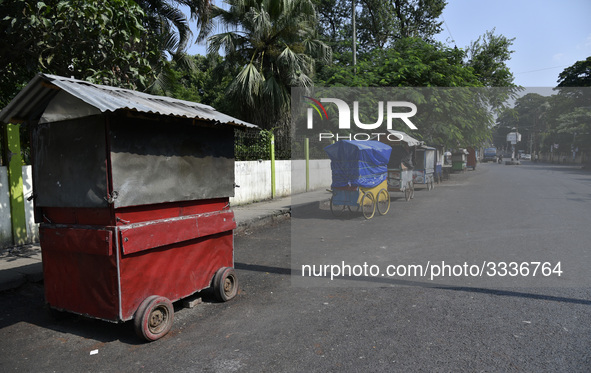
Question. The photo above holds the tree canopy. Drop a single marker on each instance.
(577, 75)
(104, 42)
(275, 45)
(268, 47)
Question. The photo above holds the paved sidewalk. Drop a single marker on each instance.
(23, 264)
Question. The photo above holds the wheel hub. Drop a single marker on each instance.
(157, 320)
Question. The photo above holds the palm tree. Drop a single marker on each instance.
(275, 44)
(165, 16)
(172, 30)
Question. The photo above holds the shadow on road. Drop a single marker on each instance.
(390, 282)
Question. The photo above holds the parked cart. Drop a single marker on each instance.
(423, 172)
(359, 172)
(132, 193)
(459, 160)
(401, 165)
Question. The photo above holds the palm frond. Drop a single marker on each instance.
(247, 85)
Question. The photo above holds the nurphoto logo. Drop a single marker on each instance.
(344, 117)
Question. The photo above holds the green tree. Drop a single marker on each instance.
(529, 116)
(410, 62)
(488, 56)
(104, 42)
(170, 27)
(205, 84)
(379, 23)
(275, 44)
(166, 18)
(455, 117)
(577, 75)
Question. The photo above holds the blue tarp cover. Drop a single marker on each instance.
(358, 163)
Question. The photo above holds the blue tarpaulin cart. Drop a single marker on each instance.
(359, 177)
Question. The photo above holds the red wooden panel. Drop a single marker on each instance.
(82, 216)
(175, 271)
(215, 223)
(79, 275)
(150, 235)
(80, 240)
(138, 214)
(155, 234)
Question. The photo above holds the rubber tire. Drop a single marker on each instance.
(371, 199)
(383, 196)
(155, 310)
(225, 284)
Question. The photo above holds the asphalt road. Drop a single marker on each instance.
(366, 324)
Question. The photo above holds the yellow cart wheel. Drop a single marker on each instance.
(383, 203)
(368, 205)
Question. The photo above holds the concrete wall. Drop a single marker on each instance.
(254, 179)
(282, 178)
(320, 175)
(581, 158)
(5, 216)
(32, 227)
(5, 225)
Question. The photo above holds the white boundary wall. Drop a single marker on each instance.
(254, 179)
(5, 218)
(32, 227)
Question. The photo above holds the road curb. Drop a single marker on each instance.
(263, 220)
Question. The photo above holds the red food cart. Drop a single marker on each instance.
(132, 193)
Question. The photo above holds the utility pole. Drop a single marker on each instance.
(354, 39)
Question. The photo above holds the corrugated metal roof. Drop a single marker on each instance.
(403, 136)
(32, 100)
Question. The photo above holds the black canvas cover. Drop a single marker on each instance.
(69, 159)
(155, 162)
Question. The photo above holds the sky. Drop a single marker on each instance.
(550, 35)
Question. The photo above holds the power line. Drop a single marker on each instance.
(448, 30)
(546, 68)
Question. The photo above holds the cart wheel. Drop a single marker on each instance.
(383, 202)
(153, 318)
(368, 205)
(337, 210)
(225, 284)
